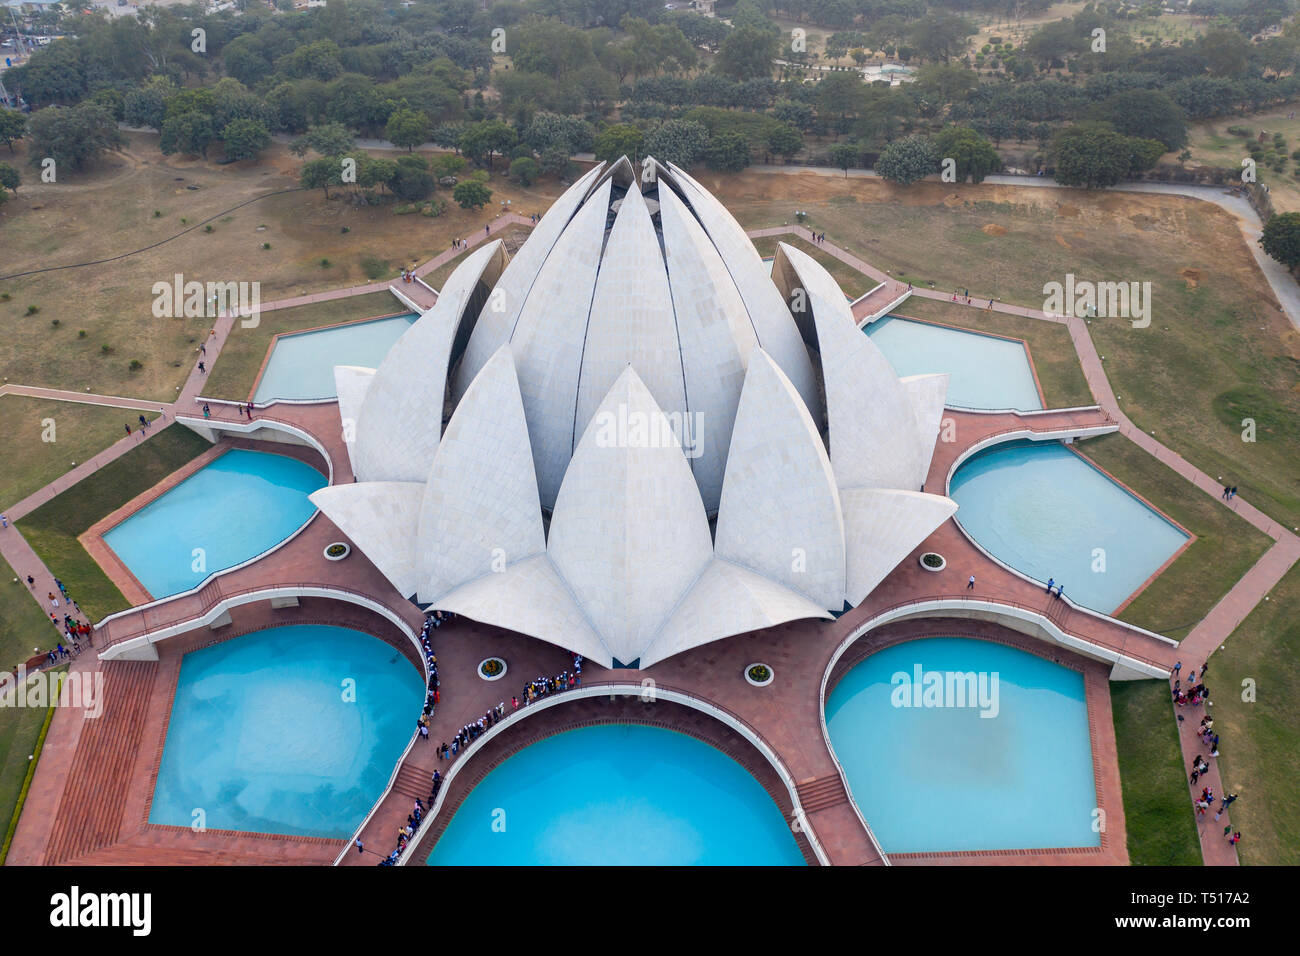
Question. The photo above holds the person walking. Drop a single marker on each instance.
(1178, 665)
(1050, 584)
(31, 581)
(4, 521)
(360, 846)
(970, 584)
(203, 368)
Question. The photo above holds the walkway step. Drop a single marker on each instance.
(821, 792)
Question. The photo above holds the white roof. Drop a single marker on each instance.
(614, 335)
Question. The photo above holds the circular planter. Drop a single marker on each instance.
(758, 675)
(337, 551)
(932, 562)
(491, 668)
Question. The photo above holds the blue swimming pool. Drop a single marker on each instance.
(302, 365)
(290, 730)
(618, 795)
(1047, 512)
(986, 372)
(242, 504)
(934, 779)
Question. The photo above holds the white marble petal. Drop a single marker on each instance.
(480, 511)
(379, 517)
(716, 341)
(401, 418)
(629, 533)
(873, 428)
(549, 339)
(776, 333)
(927, 394)
(883, 527)
(497, 319)
(631, 319)
(727, 599)
(780, 512)
(529, 598)
(351, 382)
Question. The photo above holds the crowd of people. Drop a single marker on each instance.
(1194, 695)
(74, 629)
(532, 691)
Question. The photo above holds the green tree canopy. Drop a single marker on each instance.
(471, 194)
(245, 138)
(972, 153)
(73, 136)
(1090, 155)
(1281, 238)
(908, 160)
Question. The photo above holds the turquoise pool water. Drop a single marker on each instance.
(618, 795)
(242, 504)
(940, 779)
(985, 372)
(1046, 512)
(302, 365)
(289, 730)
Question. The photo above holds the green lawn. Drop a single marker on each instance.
(1157, 813)
(235, 371)
(44, 437)
(1050, 347)
(23, 626)
(52, 529)
(1259, 738)
(1226, 546)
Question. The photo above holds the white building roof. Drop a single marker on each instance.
(627, 325)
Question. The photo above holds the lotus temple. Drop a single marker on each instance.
(625, 546)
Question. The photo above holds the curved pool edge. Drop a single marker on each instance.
(1100, 732)
(93, 538)
(421, 845)
(1059, 436)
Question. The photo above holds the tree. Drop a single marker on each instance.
(471, 194)
(620, 139)
(147, 106)
(481, 140)
(407, 127)
(73, 136)
(844, 156)
(678, 141)
(329, 139)
(13, 125)
(321, 174)
(412, 180)
(727, 152)
(908, 160)
(747, 53)
(189, 132)
(245, 138)
(1090, 155)
(1281, 238)
(1147, 113)
(973, 155)
(524, 170)
(9, 179)
(553, 130)
(938, 37)
(784, 139)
